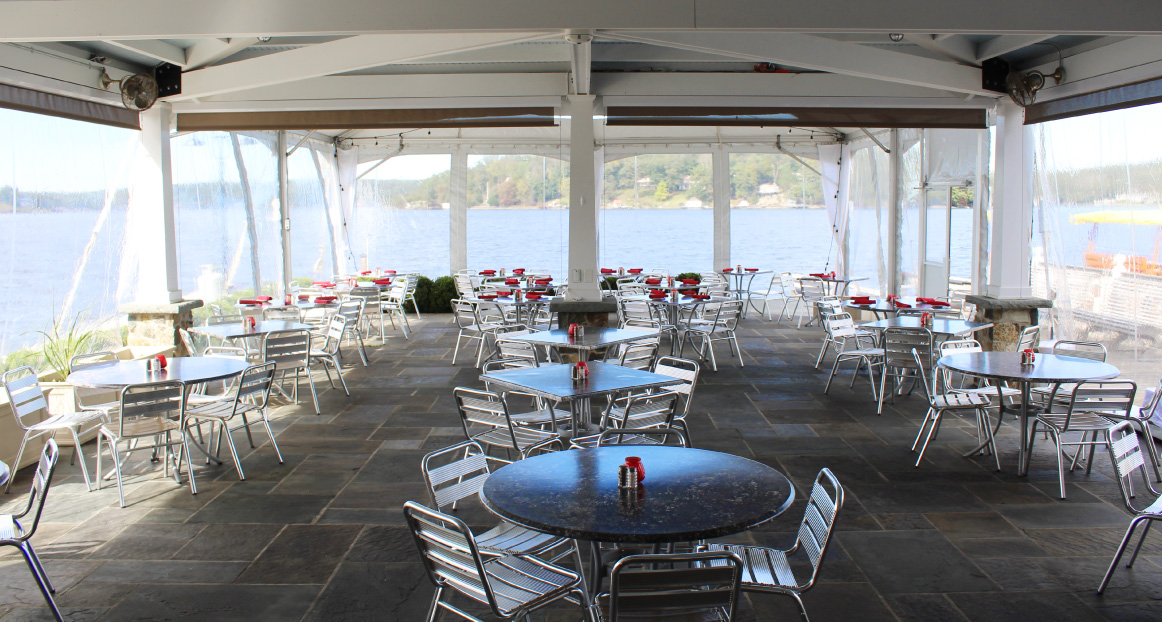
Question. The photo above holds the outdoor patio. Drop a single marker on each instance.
(323, 537)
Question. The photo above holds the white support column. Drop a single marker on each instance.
(153, 191)
(1012, 207)
(893, 266)
(721, 181)
(458, 219)
(583, 183)
(284, 211)
(980, 205)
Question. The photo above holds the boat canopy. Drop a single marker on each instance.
(1145, 217)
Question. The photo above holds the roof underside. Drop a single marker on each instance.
(294, 55)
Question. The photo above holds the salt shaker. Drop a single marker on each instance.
(626, 477)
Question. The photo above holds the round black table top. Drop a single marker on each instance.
(1045, 367)
(687, 494)
(188, 369)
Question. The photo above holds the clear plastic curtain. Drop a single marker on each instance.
(326, 162)
(911, 202)
(63, 212)
(312, 231)
(226, 214)
(777, 220)
(835, 165)
(1098, 233)
(868, 229)
(518, 213)
(401, 214)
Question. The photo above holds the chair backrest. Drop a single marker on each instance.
(149, 401)
(648, 411)
(523, 351)
(370, 295)
(635, 310)
(38, 491)
(214, 320)
(352, 307)
(960, 346)
(455, 473)
(1081, 349)
(85, 397)
(840, 325)
(679, 585)
(1030, 335)
(657, 436)
(727, 315)
(911, 312)
(899, 343)
(337, 326)
(188, 342)
(829, 305)
(290, 314)
(25, 396)
(449, 552)
(685, 369)
(819, 521)
(1115, 397)
(464, 313)
(253, 387)
(638, 355)
(484, 408)
(288, 350)
(1127, 456)
(463, 284)
(812, 288)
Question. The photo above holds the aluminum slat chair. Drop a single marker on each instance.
(942, 402)
(353, 310)
(543, 414)
(328, 354)
(27, 401)
(635, 412)
(899, 364)
(251, 394)
(987, 389)
(1089, 404)
(491, 410)
(1126, 456)
(149, 412)
(291, 351)
(286, 314)
(639, 355)
(641, 436)
(456, 473)
(1056, 396)
(391, 304)
(13, 533)
(512, 586)
(769, 570)
(718, 324)
(87, 398)
(841, 330)
(471, 327)
(811, 291)
(701, 586)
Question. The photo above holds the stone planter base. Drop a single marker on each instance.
(1009, 317)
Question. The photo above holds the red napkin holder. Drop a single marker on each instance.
(653, 281)
(689, 281)
(728, 269)
(634, 270)
(487, 272)
(518, 270)
(752, 269)
(607, 271)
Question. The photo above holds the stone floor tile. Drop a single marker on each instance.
(302, 554)
(914, 562)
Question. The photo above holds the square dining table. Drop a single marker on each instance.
(555, 382)
(593, 339)
(940, 326)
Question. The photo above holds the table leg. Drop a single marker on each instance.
(1023, 456)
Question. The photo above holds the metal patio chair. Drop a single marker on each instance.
(152, 416)
(1089, 404)
(635, 412)
(17, 529)
(471, 327)
(250, 394)
(702, 585)
(718, 323)
(841, 330)
(543, 414)
(88, 398)
(642, 436)
(458, 472)
(327, 354)
(940, 403)
(30, 409)
(286, 314)
(899, 364)
(352, 309)
(511, 586)
(1126, 456)
(770, 571)
(489, 409)
(291, 352)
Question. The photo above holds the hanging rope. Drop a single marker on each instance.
(835, 215)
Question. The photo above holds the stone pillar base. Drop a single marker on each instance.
(158, 324)
(585, 313)
(1009, 317)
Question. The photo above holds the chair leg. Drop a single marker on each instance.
(314, 394)
(923, 426)
(456, 350)
(737, 349)
(1118, 555)
(1151, 448)
(1060, 464)
(883, 386)
(339, 373)
(39, 566)
(233, 451)
(16, 465)
(802, 608)
(834, 368)
(45, 590)
(1141, 540)
(117, 469)
(77, 453)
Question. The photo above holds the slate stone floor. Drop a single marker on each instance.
(321, 537)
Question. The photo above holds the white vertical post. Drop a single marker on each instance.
(980, 202)
(583, 183)
(720, 166)
(1012, 207)
(284, 211)
(893, 266)
(153, 189)
(458, 219)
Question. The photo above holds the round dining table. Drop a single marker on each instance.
(187, 369)
(1046, 369)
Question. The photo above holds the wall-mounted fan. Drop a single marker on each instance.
(1023, 87)
(138, 91)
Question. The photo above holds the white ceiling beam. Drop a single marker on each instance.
(339, 56)
(56, 72)
(818, 53)
(157, 50)
(957, 48)
(86, 20)
(999, 46)
(1131, 60)
(209, 51)
(581, 47)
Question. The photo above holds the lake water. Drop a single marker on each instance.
(44, 250)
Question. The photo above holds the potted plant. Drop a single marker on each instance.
(64, 339)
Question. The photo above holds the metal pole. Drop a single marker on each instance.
(284, 211)
(893, 266)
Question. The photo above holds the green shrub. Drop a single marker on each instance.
(440, 298)
(690, 275)
(610, 283)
